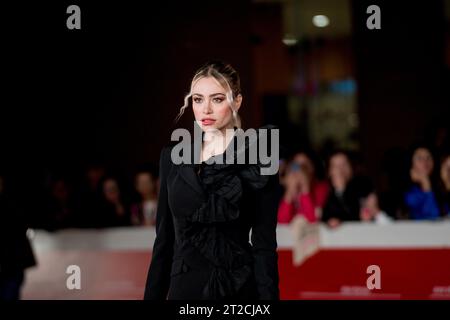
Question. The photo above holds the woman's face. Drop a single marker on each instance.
(422, 161)
(304, 164)
(145, 184)
(111, 190)
(211, 109)
(445, 170)
(340, 168)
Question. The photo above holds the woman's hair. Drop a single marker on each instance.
(434, 176)
(347, 154)
(317, 163)
(416, 146)
(443, 157)
(226, 76)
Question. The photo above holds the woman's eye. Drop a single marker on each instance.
(197, 100)
(218, 100)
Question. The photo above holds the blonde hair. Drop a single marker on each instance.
(226, 76)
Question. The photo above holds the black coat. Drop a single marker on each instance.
(202, 248)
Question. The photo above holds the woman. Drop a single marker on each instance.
(143, 212)
(444, 195)
(420, 198)
(304, 194)
(205, 211)
(113, 211)
(352, 197)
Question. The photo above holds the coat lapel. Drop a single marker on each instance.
(187, 172)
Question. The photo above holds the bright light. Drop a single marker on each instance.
(289, 40)
(320, 21)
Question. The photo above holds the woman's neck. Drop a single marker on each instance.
(216, 141)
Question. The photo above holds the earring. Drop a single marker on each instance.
(234, 113)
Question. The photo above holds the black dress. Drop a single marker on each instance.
(205, 212)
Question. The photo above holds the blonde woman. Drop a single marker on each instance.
(206, 210)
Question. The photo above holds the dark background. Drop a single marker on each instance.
(109, 93)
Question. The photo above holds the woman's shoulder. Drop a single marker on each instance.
(167, 149)
(165, 158)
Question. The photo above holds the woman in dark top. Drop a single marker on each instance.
(348, 191)
(206, 208)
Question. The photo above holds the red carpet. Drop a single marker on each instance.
(329, 274)
(341, 274)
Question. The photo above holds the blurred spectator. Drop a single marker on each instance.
(16, 254)
(59, 209)
(393, 181)
(370, 210)
(114, 210)
(144, 211)
(90, 196)
(304, 193)
(444, 195)
(437, 135)
(420, 198)
(351, 198)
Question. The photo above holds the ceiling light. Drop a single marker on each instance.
(320, 21)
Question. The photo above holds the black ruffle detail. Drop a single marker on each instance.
(231, 264)
(223, 185)
(223, 192)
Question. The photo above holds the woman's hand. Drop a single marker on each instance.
(334, 223)
(292, 184)
(304, 182)
(421, 178)
(369, 208)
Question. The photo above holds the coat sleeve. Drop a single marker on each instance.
(158, 278)
(264, 241)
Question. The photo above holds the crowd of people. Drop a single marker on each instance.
(344, 193)
(331, 190)
(98, 199)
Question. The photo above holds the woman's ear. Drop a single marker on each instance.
(238, 102)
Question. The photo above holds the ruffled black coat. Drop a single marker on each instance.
(205, 212)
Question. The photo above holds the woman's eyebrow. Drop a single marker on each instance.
(211, 95)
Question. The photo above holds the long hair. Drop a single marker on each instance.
(226, 76)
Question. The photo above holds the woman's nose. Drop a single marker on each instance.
(207, 107)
